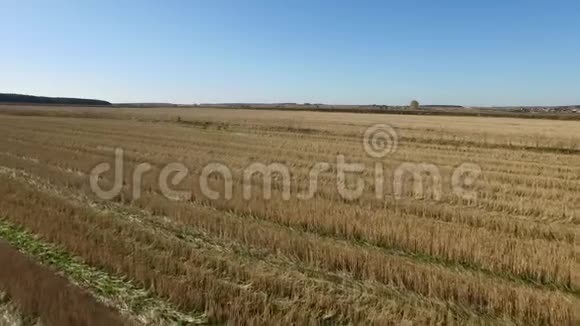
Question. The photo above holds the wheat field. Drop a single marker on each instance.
(506, 256)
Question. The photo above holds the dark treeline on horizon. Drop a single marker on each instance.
(19, 98)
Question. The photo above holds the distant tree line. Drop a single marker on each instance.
(19, 98)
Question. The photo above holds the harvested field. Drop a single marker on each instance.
(37, 291)
(10, 314)
(499, 248)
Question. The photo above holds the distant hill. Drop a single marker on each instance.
(443, 106)
(29, 99)
(146, 105)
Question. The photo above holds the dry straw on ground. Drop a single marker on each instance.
(509, 257)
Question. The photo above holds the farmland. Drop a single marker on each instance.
(505, 255)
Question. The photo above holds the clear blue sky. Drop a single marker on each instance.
(490, 52)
